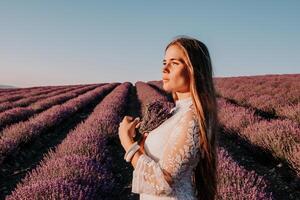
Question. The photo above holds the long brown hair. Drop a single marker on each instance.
(202, 89)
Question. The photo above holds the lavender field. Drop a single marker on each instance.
(61, 142)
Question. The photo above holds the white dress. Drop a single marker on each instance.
(172, 148)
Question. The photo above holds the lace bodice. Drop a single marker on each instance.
(172, 153)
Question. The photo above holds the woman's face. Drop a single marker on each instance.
(175, 73)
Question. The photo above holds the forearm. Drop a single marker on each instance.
(136, 157)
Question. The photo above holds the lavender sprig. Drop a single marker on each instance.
(156, 113)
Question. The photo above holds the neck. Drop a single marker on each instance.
(183, 95)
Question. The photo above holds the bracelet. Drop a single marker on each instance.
(134, 147)
(131, 151)
(131, 147)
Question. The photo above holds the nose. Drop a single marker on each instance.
(165, 71)
(165, 68)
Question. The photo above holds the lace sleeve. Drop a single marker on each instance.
(156, 178)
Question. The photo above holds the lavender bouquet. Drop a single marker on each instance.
(155, 114)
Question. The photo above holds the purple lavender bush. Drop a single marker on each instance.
(235, 182)
(16, 114)
(53, 189)
(23, 132)
(82, 161)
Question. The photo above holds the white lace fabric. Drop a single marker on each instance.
(172, 153)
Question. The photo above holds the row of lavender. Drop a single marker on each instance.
(79, 168)
(13, 96)
(33, 96)
(16, 91)
(27, 92)
(280, 137)
(278, 95)
(5, 91)
(235, 182)
(22, 113)
(12, 137)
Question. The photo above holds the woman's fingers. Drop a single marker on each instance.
(144, 137)
(145, 134)
(138, 125)
(128, 117)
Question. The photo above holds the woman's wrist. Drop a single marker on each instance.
(135, 157)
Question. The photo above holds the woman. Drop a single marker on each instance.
(177, 160)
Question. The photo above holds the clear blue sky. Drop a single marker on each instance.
(70, 42)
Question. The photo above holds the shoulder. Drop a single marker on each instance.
(190, 116)
(191, 112)
(193, 109)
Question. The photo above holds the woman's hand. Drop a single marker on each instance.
(127, 131)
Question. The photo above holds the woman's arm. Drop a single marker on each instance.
(181, 150)
(141, 151)
(136, 157)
